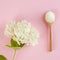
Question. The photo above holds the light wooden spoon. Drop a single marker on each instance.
(50, 19)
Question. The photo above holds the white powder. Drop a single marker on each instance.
(50, 17)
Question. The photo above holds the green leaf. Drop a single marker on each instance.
(15, 48)
(15, 45)
(2, 57)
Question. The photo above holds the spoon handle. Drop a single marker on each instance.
(50, 38)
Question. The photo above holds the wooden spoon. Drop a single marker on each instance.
(50, 18)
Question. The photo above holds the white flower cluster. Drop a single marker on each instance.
(22, 32)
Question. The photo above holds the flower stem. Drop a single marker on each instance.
(14, 55)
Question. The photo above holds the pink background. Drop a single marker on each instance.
(33, 11)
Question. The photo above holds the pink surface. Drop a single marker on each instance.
(33, 11)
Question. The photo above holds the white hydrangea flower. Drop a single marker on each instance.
(10, 28)
(23, 32)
